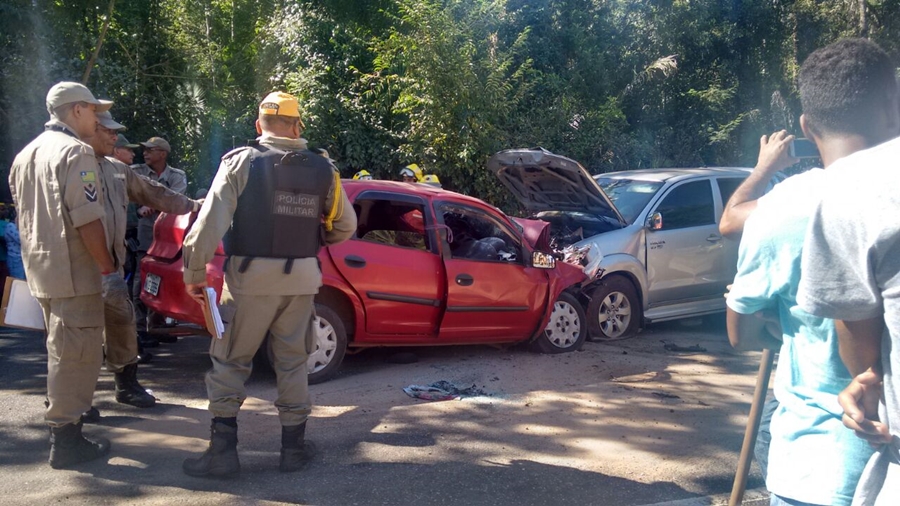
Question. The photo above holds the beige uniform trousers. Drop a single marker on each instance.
(74, 354)
(120, 334)
(288, 319)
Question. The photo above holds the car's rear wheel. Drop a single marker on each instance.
(614, 311)
(329, 346)
(567, 328)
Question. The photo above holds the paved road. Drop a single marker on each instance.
(625, 423)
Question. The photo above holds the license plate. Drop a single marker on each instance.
(151, 284)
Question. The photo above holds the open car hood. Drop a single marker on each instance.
(543, 181)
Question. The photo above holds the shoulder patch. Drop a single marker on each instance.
(88, 176)
(90, 193)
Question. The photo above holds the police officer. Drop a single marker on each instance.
(121, 184)
(155, 167)
(59, 194)
(279, 203)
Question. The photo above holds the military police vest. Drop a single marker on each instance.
(279, 213)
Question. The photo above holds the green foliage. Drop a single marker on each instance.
(614, 84)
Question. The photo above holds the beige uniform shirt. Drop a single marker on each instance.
(172, 178)
(264, 276)
(56, 188)
(122, 185)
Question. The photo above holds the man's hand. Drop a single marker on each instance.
(196, 292)
(197, 205)
(773, 153)
(114, 286)
(144, 211)
(860, 404)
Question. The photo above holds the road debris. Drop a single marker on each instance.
(678, 348)
(442, 391)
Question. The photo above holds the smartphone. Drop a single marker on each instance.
(803, 148)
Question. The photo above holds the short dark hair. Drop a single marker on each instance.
(271, 120)
(844, 85)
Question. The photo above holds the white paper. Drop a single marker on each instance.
(22, 309)
(211, 297)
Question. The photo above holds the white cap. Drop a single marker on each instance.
(67, 92)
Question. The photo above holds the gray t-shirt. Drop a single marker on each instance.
(851, 271)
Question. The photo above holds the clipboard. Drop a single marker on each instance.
(211, 316)
(19, 309)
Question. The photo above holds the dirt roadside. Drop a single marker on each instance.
(624, 423)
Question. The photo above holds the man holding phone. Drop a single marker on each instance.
(846, 91)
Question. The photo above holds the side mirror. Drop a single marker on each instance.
(541, 260)
(655, 221)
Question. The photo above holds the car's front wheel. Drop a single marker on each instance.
(567, 328)
(329, 346)
(614, 311)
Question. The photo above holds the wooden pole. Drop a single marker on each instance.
(756, 411)
(96, 53)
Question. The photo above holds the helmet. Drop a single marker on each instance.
(362, 175)
(411, 170)
(431, 179)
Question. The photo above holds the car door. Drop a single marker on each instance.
(683, 256)
(727, 261)
(392, 262)
(490, 291)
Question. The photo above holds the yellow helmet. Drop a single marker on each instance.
(412, 170)
(432, 180)
(362, 175)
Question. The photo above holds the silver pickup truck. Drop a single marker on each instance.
(657, 229)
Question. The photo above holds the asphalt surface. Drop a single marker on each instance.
(623, 423)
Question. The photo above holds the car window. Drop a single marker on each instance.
(630, 196)
(476, 235)
(688, 205)
(392, 223)
(727, 186)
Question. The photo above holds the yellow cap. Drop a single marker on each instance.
(280, 103)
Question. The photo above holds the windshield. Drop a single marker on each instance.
(630, 196)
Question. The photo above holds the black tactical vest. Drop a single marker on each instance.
(279, 214)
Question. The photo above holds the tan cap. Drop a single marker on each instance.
(106, 120)
(122, 142)
(157, 142)
(67, 92)
(281, 104)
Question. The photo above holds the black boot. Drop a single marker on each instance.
(129, 391)
(296, 451)
(221, 458)
(68, 447)
(146, 340)
(91, 416)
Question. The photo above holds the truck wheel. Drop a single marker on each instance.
(330, 344)
(567, 328)
(614, 311)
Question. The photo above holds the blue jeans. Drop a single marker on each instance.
(764, 437)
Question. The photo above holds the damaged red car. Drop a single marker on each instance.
(426, 267)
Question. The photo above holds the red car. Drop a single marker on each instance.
(425, 267)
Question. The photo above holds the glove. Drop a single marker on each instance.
(114, 286)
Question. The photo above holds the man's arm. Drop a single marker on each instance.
(773, 157)
(146, 192)
(753, 331)
(82, 196)
(344, 224)
(94, 238)
(213, 220)
(860, 343)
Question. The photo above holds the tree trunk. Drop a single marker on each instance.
(863, 19)
(93, 60)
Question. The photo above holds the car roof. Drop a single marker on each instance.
(667, 174)
(354, 187)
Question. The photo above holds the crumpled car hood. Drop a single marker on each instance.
(543, 181)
